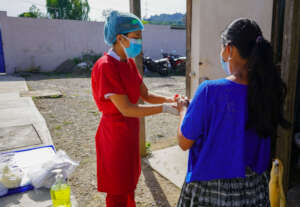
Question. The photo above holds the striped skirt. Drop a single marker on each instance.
(251, 191)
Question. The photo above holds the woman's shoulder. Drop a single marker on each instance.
(214, 83)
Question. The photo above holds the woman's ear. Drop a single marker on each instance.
(225, 53)
(119, 38)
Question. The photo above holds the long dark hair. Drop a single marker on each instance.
(266, 89)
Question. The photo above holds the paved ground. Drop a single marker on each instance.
(171, 163)
(21, 127)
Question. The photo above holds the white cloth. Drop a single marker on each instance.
(113, 54)
(169, 108)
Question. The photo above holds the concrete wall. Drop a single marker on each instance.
(30, 43)
(157, 37)
(209, 19)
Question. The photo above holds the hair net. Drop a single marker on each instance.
(120, 23)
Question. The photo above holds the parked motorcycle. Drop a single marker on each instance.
(178, 63)
(157, 66)
(164, 66)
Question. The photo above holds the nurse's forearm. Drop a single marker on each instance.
(152, 98)
(141, 110)
(157, 99)
(134, 110)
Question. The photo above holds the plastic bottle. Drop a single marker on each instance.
(60, 191)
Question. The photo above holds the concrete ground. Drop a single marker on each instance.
(171, 163)
(21, 127)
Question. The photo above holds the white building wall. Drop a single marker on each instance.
(209, 19)
(30, 43)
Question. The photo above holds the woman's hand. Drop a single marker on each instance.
(170, 100)
(182, 104)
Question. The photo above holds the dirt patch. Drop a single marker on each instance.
(73, 120)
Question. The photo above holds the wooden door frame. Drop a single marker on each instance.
(189, 8)
(289, 69)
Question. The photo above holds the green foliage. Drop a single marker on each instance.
(167, 19)
(148, 148)
(89, 57)
(68, 9)
(33, 12)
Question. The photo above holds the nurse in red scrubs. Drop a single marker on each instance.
(117, 87)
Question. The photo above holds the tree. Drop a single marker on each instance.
(68, 9)
(33, 12)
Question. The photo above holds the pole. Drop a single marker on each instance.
(135, 8)
(188, 70)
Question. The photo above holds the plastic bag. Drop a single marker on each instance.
(10, 174)
(3, 190)
(43, 175)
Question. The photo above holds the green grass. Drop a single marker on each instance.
(94, 112)
(148, 148)
(67, 122)
(58, 127)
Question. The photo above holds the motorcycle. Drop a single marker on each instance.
(157, 66)
(178, 63)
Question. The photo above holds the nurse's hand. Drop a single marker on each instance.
(170, 108)
(182, 104)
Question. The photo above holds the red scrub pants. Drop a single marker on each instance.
(126, 200)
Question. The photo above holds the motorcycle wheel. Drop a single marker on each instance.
(163, 72)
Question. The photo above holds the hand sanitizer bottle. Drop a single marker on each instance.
(60, 191)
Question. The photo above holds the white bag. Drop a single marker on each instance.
(43, 176)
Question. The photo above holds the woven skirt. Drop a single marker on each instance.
(251, 191)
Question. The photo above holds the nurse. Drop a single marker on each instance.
(117, 87)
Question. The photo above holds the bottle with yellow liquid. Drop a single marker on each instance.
(60, 191)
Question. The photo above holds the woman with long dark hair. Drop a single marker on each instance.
(228, 124)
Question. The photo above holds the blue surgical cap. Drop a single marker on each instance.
(120, 23)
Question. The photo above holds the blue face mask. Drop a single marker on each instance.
(225, 65)
(134, 49)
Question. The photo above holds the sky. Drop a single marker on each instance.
(149, 7)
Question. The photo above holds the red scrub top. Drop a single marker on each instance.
(117, 138)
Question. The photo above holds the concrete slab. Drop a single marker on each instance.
(15, 102)
(41, 93)
(10, 84)
(15, 113)
(20, 112)
(170, 163)
(18, 136)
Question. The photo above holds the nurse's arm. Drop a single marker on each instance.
(183, 142)
(152, 98)
(128, 109)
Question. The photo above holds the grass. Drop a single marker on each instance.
(148, 148)
(58, 127)
(67, 122)
(94, 112)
